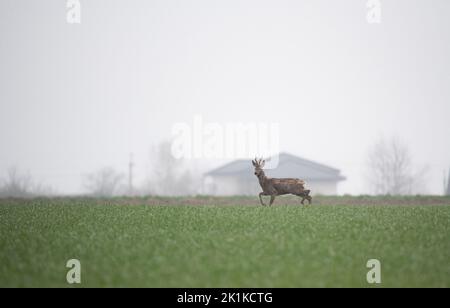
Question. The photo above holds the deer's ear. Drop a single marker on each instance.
(263, 163)
(254, 164)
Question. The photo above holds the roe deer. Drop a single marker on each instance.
(276, 187)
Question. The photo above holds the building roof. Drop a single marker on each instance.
(289, 166)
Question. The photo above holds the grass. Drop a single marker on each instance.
(221, 245)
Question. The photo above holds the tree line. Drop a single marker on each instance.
(390, 171)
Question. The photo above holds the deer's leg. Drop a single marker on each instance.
(305, 196)
(309, 198)
(272, 198)
(301, 196)
(260, 199)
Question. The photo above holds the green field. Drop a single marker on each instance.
(225, 242)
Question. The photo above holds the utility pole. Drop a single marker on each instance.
(447, 184)
(130, 175)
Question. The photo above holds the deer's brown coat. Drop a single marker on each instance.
(275, 187)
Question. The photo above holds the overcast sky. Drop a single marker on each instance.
(76, 97)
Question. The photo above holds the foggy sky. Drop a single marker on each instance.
(75, 98)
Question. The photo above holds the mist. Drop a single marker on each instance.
(79, 97)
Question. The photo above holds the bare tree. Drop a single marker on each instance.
(16, 184)
(391, 169)
(105, 182)
(169, 176)
(19, 184)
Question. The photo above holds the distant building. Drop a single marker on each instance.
(237, 178)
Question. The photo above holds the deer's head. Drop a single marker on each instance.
(259, 165)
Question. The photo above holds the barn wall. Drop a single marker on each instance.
(229, 186)
(322, 188)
